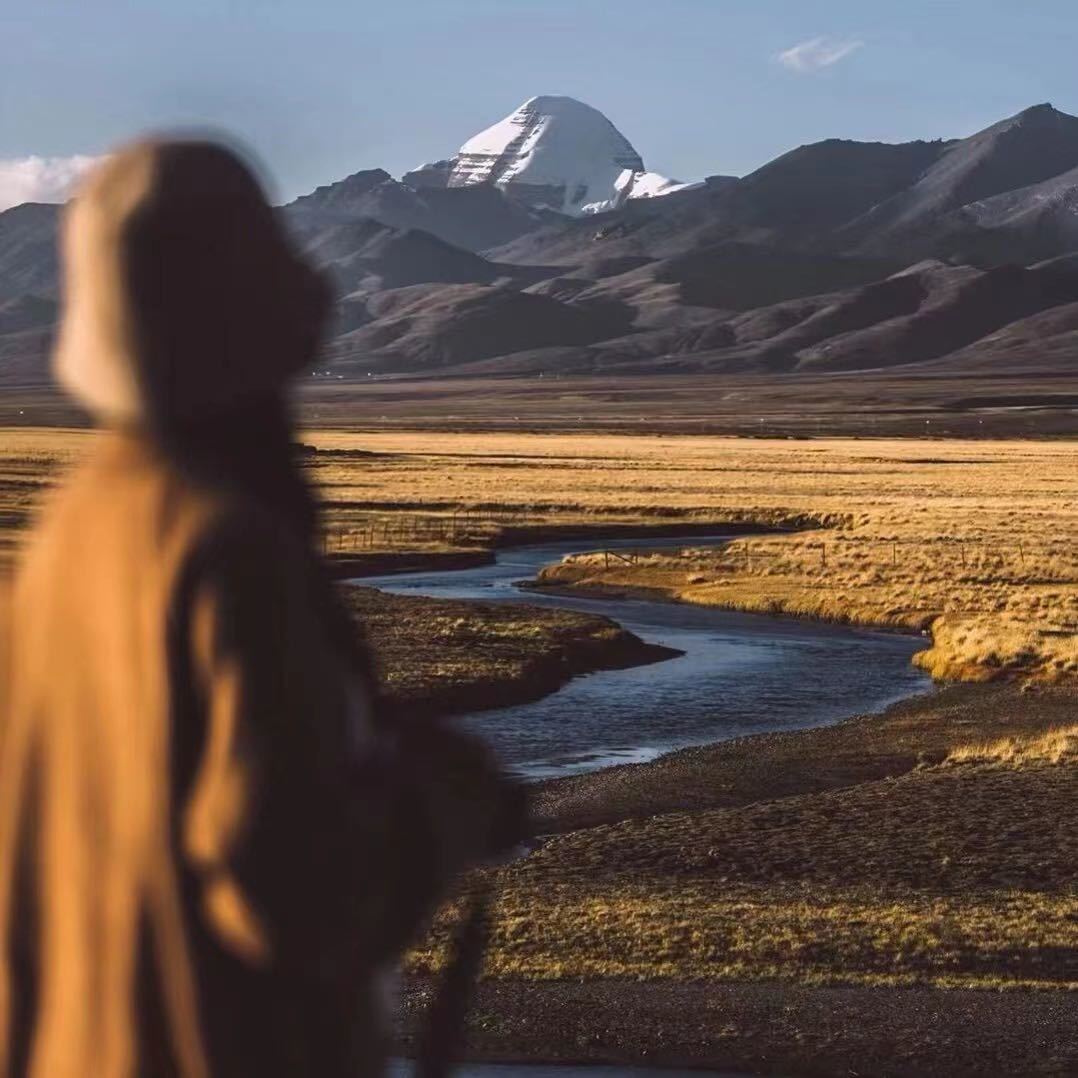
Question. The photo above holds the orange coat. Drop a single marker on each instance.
(206, 848)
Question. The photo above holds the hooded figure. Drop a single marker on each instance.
(211, 841)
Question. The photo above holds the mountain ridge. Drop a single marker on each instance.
(838, 255)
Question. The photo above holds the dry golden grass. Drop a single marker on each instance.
(649, 932)
(954, 876)
(974, 539)
(29, 459)
(1056, 746)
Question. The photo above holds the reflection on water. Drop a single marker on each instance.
(740, 674)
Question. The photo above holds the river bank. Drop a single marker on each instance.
(736, 673)
(989, 614)
(445, 657)
(850, 898)
(355, 565)
(842, 900)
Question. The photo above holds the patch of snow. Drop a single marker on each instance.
(652, 185)
(637, 185)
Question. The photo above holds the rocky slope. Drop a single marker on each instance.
(474, 218)
(541, 247)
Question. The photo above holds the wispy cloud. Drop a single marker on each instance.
(40, 179)
(817, 53)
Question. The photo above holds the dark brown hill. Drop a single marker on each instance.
(470, 217)
(28, 254)
(837, 256)
(364, 253)
(424, 328)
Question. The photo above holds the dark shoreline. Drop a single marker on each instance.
(357, 566)
(438, 657)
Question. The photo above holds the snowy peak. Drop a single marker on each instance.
(547, 141)
(553, 152)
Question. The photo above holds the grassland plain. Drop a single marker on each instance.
(973, 541)
(875, 867)
(844, 900)
(433, 657)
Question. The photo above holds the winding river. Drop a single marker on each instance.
(739, 674)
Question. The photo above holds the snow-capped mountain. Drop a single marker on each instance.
(554, 152)
(953, 258)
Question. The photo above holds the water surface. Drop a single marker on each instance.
(740, 674)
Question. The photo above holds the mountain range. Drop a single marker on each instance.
(545, 245)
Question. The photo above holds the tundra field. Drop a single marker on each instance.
(849, 899)
(972, 541)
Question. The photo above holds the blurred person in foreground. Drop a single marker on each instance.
(213, 842)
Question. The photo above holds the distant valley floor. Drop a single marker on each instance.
(863, 403)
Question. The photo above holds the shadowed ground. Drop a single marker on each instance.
(843, 900)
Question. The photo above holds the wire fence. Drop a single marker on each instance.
(401, 530)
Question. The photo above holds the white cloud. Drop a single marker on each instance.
(817, 53)
(40, 179)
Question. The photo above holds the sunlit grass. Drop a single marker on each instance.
(1054, 747)
(972, 540)
(1010, 939)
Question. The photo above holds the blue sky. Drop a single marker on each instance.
(320, 88)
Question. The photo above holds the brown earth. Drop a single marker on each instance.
(846, 900)
(981, 403)
(769, 1029)
(443, 657)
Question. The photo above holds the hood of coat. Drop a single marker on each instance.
(183, 296)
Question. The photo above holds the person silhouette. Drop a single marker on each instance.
(213, 838)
